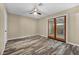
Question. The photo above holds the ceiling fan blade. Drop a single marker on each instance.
(30, 13)
(39, 13)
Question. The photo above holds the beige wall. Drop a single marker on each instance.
(43, 27)
(72, 37)
(2, 28)
(20, 26)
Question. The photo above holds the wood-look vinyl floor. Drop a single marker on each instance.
(38, 45)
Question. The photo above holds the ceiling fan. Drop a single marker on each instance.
(35, 10)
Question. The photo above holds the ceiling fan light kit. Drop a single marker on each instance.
(35, 9)
(35, 13)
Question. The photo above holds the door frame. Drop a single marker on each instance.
(55, 29)
(4, 28)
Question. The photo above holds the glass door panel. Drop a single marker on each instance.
(60, 28)
(51, 28)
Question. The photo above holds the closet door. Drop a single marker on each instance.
(51, 28)
(61, 28)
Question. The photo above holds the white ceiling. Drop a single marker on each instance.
(46, 8)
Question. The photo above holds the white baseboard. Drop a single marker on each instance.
(20, 37)
(73, 43)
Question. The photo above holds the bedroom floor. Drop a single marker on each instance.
(38, 45)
